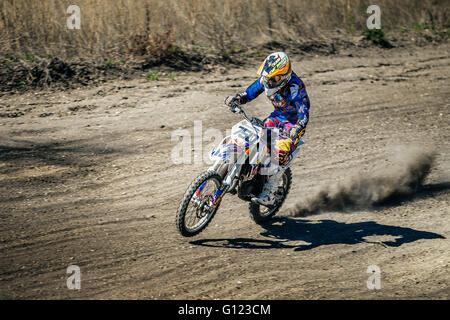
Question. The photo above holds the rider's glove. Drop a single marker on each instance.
(241, 98)
(232, 101)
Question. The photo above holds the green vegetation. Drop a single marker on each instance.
(377, 36)
(153, 76)
(351, 23)
(174, 50)
(30, 58)
(422, 26)
(172, 76)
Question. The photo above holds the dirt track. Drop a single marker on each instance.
(86, 178)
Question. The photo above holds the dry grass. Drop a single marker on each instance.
(114, 27)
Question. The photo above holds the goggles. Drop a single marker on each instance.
(273, 81)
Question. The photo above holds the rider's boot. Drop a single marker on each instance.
(267, 196)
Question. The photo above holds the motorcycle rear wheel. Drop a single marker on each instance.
(261, 214)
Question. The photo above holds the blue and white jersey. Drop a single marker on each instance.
(290, 102)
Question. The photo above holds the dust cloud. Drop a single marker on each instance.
(399, 177)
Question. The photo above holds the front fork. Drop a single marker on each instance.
(218, 195)
(215, 200)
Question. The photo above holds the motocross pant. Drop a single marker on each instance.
(283, 146)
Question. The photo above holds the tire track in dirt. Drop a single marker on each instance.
(126, 244)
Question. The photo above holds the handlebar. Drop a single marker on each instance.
(236, 106)
(254, 121)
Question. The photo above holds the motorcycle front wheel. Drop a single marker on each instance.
(194, 214)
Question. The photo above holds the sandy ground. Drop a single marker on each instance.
(86, 179)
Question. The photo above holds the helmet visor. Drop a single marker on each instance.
(272, 82)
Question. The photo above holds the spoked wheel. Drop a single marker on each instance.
(194, 212)
(261, 214)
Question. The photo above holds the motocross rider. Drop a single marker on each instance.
(288, 95)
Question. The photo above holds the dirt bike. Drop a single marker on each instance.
(239, 164)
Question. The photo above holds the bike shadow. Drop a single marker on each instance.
(315, 233)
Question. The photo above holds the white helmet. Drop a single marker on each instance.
(275, 72)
